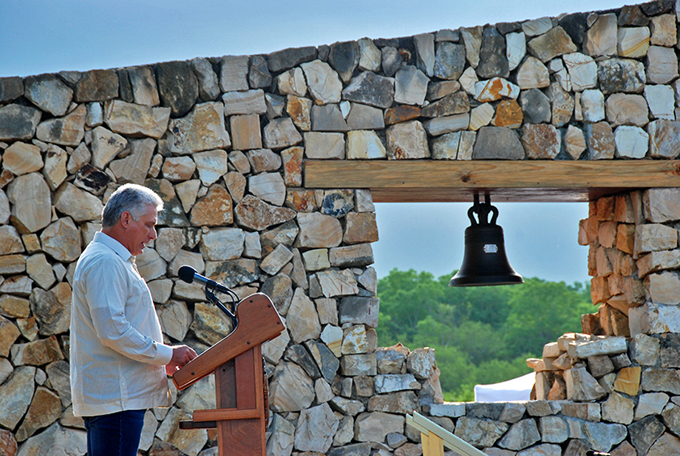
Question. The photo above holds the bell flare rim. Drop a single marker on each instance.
(485, 281)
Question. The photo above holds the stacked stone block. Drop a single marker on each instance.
(224, 142)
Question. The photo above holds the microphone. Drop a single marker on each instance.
(189, 274)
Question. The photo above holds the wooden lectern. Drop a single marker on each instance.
(241, 413)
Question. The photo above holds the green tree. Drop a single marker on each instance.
(540, 312)
(407, 297)
(480, 335)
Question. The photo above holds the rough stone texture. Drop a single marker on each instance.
(497, 142)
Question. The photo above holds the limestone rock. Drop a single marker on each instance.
(61, 240)
(410, 86)
(323, 83)
(660, 101)
(495, 89)
(175, 319)
(316, 428)
(425, 56)
(135, 120)
(532, 74)
(620, 75)
(472, 38)
(480, 432)
(601, 38)
(554, 43)
(592, 105)
(633, 41)
(44, 410)
(371, 89)
(492, 55)
(370, 55)
(662, 65)
(15, 396)
(21, 158)
(643, 433)
(374, 426)
(255, 214)
(535, 106)
(521, 435)
(177, 86)
(364, 144)
(281, 133)
(449, 61)
(97, 85)
(233, 73)
(66, 131)
(582, 71)
(48, 93)
(135, 167)
(290, 388)
(211, 165)
(627, 110)
(208, 87)
(663, 138)
(202, 129)
(18, 122)
(663, 30)
(575, 142)
(407, 141)
(55, 166)
(318, 231)
(541, 141)
(497, 142)
(150, 264)
(601, 143)
(337, 283)
(631, 142)
(268, 187)
(56, 440)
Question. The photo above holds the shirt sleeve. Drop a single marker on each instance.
(106, 285)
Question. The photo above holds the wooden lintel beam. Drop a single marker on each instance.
(525, 180)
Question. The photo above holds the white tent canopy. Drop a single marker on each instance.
(516, 389)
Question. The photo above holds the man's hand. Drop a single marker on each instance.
(181, 354)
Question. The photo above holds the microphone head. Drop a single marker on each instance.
(186, 274)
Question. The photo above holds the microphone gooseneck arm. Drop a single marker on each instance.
(188, 275)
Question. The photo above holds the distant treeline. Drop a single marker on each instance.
(480, 334)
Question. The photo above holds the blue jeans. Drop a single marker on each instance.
(117, 434)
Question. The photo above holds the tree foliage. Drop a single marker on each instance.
(480, 334)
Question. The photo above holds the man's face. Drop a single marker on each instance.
(140, 232)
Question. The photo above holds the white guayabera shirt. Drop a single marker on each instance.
(117, 354)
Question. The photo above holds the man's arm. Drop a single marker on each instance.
(106, 291)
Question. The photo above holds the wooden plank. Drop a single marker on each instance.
(433, 445)
(451, 441)
(244, 438)
(225, 385)
(226, 414)
(201, 425)
(246, 383)
(439, 180)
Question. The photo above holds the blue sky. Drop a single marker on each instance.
(43, 36)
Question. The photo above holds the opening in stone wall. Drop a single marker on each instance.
(481, 335)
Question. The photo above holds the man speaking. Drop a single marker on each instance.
(118, 360)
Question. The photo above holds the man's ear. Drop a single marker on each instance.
(125, 219)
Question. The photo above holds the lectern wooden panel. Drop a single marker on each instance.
(236, 360)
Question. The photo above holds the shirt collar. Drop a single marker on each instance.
(113, 244)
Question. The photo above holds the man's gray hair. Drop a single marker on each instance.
(130, 198)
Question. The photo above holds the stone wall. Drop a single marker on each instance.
(224, 141)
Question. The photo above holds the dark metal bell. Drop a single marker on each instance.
(484, 260)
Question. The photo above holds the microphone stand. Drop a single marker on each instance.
(210, 296)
